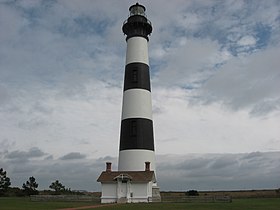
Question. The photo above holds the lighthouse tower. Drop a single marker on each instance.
(136, 135)
(135, 180)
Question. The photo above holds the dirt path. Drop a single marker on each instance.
(89, 207)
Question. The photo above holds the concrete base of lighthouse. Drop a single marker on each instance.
(155, 194)
(134, 160)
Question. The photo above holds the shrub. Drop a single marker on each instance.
(192, 193)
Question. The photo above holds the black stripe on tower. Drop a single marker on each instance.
(137, 133)
(137, 75)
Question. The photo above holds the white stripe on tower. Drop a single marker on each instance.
(137, 50)
(136, 138)
(137, 103)
(132, 160)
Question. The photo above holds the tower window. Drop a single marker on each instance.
(134, 76)
(133, 128)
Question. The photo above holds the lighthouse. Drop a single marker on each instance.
(135, 179)
(136, 135)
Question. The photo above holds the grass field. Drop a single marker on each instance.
(237, 204)
(25, 204)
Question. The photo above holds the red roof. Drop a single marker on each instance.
(134, 176)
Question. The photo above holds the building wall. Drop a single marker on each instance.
(109, 192)
(139, 192)
(139, 189)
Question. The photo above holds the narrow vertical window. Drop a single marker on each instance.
(134, 76)
(133, 128)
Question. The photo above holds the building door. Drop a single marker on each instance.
(123, 189)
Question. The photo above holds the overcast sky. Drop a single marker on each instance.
(215, 71)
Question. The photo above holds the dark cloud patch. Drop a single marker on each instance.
(40, 108)
(50, 157)
(106, 158)
(223, 162)
(34, 152)
(253, 155)
(220, 171)
(24, 168)
(196, 163)
(73, 156)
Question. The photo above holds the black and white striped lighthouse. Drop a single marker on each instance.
(136, 135)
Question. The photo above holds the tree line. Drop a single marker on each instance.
(28, 188)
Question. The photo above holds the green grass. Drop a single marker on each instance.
(12, 203)
(237, 204)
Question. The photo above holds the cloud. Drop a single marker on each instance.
(182, 127)
(257, 170)
(65, 169)
(4, 96)
(33, 152)
(219, 171)
(250, 82)
(235, 41)
(73, 156)
(247, 40)
(6, 144)
(223, 162)
(188, 63)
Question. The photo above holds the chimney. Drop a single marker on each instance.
(147, 166)
(108, 166)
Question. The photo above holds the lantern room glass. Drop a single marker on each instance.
(137, 10)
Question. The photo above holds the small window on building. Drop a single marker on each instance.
(133, 128)
(134, 76)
